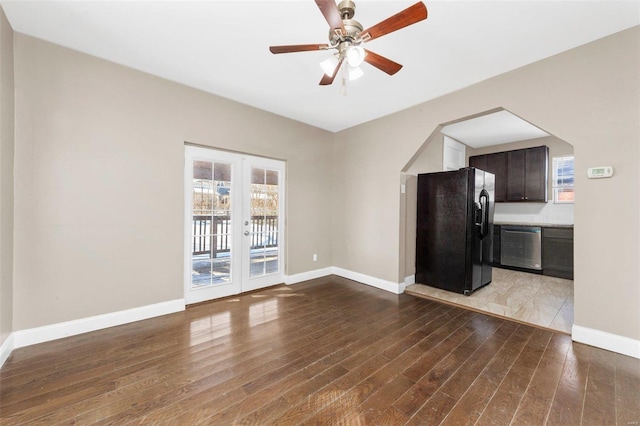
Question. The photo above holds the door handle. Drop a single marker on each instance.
(246, 232)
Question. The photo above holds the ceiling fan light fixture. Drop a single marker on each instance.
(355, 56)
(346, 35)
(355, 73)
(329, 65)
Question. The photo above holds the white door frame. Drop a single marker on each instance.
(240, 214)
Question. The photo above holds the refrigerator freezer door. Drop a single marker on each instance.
(454, 238)
(445, 220)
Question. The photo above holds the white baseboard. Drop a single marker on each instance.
(603, 340)
(411, 279)
(390, 286)
(18, 339)
(32, 336)
(46, 333)
(6, 348)
(309, 275)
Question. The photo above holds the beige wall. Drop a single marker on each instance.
(99, 182)
(430, 159)
(589, 97)
(98, 177)
(6, 177)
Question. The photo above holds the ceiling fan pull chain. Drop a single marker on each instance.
(343, 88)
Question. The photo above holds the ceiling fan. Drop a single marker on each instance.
(346, 36)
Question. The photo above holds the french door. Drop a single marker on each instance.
(234, 223)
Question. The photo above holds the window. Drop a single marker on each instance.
(563, 174)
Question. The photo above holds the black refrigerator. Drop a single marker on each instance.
(454, 236)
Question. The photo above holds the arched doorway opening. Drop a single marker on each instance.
(537, 297)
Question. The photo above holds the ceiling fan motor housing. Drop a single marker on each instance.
(352, 32)
(347, 9)
(352, 28)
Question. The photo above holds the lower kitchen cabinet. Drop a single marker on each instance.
(557, 252)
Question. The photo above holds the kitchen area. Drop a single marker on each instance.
(531, 241)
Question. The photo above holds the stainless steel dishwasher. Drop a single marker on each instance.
(521, 246)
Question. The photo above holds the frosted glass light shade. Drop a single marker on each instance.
(329, 65)
(355, 73)
(355, 56)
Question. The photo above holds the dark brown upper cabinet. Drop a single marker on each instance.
(479, 162)
(495, 163)
(521, 175)
(527, 171)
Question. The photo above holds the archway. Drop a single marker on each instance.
(558, 313)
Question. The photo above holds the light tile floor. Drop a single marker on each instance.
(530, 298)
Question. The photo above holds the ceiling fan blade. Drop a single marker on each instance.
(297, 48)
(331, 13)
(382, 63)
(409, 16)
(326, 79)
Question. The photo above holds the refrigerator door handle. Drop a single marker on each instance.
(484, 202)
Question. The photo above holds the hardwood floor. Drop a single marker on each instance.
(328, 351)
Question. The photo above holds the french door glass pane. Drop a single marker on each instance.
(264, 222)
(211, 249)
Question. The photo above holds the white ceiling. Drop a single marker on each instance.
(493, 129)
(221, 47)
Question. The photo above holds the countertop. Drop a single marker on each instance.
(542, 225)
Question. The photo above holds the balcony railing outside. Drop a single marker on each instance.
(212, 234)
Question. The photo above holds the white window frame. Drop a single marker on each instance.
(559, 187)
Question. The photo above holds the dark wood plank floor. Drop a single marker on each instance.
(328, 351)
